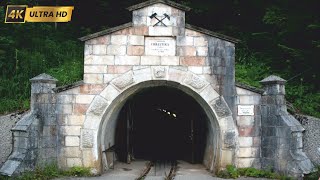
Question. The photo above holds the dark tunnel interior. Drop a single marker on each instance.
(161, 123)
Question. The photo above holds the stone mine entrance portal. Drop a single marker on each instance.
(161, 124)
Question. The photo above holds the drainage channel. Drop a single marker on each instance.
(159, 170)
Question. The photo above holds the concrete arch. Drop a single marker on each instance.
(98, 128)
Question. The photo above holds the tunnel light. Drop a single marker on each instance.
(174, 115)
(169, 113)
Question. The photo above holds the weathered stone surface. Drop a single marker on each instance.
(98, 106)
(123, 81)
(119, 39)
(135, 50)
(195, 81)
(93, 78)
(220, 107)
(150, 60)
(170, 60)
(118, 69)
(116, 50)
(192, 61)
(159, 72)
(136, 40)
(127, 60)
(72, 141)
(87, 138)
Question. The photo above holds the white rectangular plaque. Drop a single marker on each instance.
(245, 110)
(160, 46)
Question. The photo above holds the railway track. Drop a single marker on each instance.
(165, 169)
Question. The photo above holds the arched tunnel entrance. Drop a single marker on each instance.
(161, 123)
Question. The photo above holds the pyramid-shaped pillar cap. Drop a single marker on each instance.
(167, 2)
(273, 80)
(44, 78)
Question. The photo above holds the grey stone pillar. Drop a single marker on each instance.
(35, 135)
(281, 146)
(43, 102)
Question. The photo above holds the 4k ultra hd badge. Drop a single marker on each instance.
(23, 13)
(16, 14)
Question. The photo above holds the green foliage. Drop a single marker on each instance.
(233, 172)
(253, 67)
(50, 172)
(77, 171)
(314, 175)
(44, 50)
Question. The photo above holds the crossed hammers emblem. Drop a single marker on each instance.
(154, 15)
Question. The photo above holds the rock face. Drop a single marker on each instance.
(311, 136)
(7, 122)
(76, 125)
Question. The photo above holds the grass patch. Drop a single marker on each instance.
(314, 175)
(231, 172)
(50, 172)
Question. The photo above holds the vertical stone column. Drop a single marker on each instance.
(43, 104)
(281, 146)
(272, 106)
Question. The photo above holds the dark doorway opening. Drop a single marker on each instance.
(161, 123)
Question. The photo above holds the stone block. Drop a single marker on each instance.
(75, 120)
(71, 152)
(243, 121)
(170, 60)
(202, 51)
(99, 49)
(91, 88)
(226, 157)
(192, 61)
(70, 130)
(245, 141)
(195, 69)
(200, 41)
(95, 69)
(176, 75)
(84, 99)
(99, 60)
(88, 157)
(135, 50)
(80, 109)
(50, 130)
(249, 100)
(139, 20)
(249, 152)
(248, 162)
(71, 162)
(64, 108)
(65, 99)
(136, 40)
(109, 77)
(160, 31)
(116, 50)
(249, 131)
(88, 49)
(109, 93)
(93, 78)
(72, 141)
(207, 70)
(150, 60)
(192, 33)
(186, 51)
(98, 106)
(184, 41)
(119, 39)
(118, 69)
(141, 30)
(209, 94)
(127, 60)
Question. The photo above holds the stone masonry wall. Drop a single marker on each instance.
(72, 106)
(7, 122)
(111, 55)
(249, 129)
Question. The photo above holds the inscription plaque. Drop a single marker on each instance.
(160, 46)
(246, 110)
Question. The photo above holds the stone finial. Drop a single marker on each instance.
(273, 80)
(44, 78)
(273, 85)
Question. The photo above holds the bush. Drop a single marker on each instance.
(232, 172)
